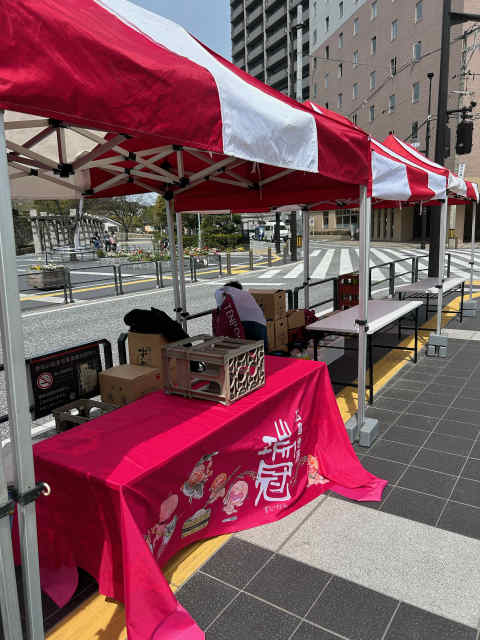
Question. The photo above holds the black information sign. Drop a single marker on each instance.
(61, 377)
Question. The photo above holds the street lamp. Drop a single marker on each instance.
(423, 211)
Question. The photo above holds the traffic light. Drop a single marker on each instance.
(464, 137)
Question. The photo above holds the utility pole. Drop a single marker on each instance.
(423, 210)
(449, 19)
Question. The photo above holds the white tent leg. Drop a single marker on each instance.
(360, 427)
(438, 343)
(470, 306)
(306, 256)
(173, 259)
(18, 407)
(181, 269)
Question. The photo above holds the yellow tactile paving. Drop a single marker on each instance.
(98, 619)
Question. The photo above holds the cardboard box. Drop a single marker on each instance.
(296, 319)
(281, 332)
(129, 382)
(271, 334)
(272, 302)
(145, 349)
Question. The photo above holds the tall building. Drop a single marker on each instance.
(370, 61)
(264, 41)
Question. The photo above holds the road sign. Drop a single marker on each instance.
(461, 169)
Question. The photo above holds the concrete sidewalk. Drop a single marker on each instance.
(406, 568)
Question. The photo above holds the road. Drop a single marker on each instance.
(50, 328)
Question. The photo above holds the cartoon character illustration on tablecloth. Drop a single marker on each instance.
(236, 496)
(314, 476)
(197, 522)
(163, 530)
(193, 487)
(217, 488)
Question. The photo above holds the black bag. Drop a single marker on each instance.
(154, 321)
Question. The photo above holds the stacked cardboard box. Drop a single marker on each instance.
(273, 303)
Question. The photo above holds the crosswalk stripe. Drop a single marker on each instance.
(315, 253)
(345, 262)
(270, 273)
(296, 271)
(323, 266)
(386, 258)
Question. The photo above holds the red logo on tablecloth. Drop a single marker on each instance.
(44, 380)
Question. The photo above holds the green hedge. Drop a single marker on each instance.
(222, 240)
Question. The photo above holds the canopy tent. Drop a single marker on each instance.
(459, 191)
(121, 101)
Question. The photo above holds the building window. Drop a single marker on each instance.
(415, 130)
(314, 9)
(325, 80)
(355, 58)
(314, 36)
(340, 40)
(371, 113)
(355, 90)
(340, 9)
(393, 66)
(417, 51)
(340, 100)
(325, 220)
(374, 10)
(355, 27)
(314, 63)
(394, 30)
(391, 103)
(340, 70)
(314, 90)
(355, 118)
(416, 92)
(373, 80)
(346, 219)
(327, 23)
(327, 52)
(373, 45)
(419, 11)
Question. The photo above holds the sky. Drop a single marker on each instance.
(207, 20)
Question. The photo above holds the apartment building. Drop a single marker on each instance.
(264, 42)
(370, 61)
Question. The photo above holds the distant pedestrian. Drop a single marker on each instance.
(113, 241)
(106, 241)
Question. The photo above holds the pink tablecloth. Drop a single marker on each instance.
(132, 488)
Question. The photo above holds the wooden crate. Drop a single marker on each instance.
(226, 368)
(78, 412)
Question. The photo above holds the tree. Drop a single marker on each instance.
(127, 211)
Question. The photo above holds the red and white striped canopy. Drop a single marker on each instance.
(173, 116)
(456, 185)
(394, 178)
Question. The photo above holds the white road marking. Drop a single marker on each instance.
(323, 266)
(295, 272)
(315, 253)
(345, 262)
(270, 273)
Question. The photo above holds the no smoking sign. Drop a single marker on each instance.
(44, 380)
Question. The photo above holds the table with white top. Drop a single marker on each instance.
(381, 314)
(428, 288)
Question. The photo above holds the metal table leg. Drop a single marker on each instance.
(415, 359)
(461, 302)
(315, 348)
(370, 364)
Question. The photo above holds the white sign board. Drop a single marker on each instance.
(461, 170)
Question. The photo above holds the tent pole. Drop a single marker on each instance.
(360, 427)
(181, 267)
(173, 259)
(438, 343)
(18, 405)
(470, 306)
(306, 255)
(76, 238)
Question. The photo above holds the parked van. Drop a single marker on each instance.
(269, 234)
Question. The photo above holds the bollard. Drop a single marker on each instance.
(192, 269)
(285, 253)
(65, 286)
(250, 258)
(159, 274)
(115, 278)
(229, 263)
(370, 284)
(449, 264)
(120, 283)
(269, 258)
(220, 265)
(391, 278)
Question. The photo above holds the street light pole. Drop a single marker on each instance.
(440, 137)
(423, 210)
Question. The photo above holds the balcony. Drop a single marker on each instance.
(279, 15)
(277, 57)
(255, 69)
(254, 52)
(255, 33)
(251, 3)
(278, 76)
(237, 12)
(238, 48)
(237, 30)
(276, 37)
(255, 14)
